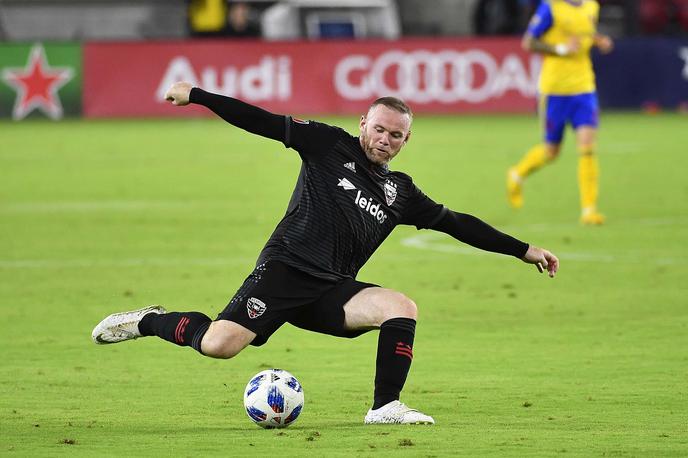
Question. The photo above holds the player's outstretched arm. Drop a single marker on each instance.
(543, 260)
(477, 233)
(234, 111)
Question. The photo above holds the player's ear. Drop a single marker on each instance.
(408, 136)
(361, 124)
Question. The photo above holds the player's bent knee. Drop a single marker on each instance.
(224, 340)
(373, 306)
(401, 306)
(220, 349)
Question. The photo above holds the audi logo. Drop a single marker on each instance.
(446, 76)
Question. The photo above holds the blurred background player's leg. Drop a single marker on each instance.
(552, 113)
(585, 121)
(588, 176)
(536, 157)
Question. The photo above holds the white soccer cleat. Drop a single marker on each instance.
(397, 412)
(119, 327)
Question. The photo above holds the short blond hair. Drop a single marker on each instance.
(393, 103)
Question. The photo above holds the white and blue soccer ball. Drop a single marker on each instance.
(273, 398)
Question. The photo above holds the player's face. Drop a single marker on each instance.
(383, 132)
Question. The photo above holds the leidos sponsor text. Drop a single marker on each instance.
(370, 207)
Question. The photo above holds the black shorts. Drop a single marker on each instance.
(276, 293)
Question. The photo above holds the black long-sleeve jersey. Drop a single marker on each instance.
(343, 206)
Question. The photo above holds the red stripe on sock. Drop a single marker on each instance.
(179, 331)
(404, 348)
(176, 330)
(401, 352)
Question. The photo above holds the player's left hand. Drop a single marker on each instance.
(543, 260)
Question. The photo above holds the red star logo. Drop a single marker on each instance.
(37, 85)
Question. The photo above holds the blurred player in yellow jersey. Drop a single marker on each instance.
(564, 31)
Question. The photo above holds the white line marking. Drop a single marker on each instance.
(113, 205)
(647, 222)
(434, 241)
(132, 262)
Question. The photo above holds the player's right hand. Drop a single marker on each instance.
(179, 93)
(604, 43)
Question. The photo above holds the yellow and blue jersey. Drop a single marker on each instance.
(556, 22)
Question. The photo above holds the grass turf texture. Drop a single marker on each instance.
(99, 217)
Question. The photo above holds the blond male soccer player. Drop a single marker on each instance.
(345, 204)
(564, 31)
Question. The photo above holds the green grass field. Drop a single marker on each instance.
(99, 217)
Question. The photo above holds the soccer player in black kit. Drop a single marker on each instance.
(346, 202)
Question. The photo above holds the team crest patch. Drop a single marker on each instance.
(255, 307)
(390, 192)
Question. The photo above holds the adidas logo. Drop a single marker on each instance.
(346, 184)
(351, 166)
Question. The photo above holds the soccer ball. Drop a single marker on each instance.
(273, 398)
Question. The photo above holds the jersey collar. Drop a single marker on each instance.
(380, 169)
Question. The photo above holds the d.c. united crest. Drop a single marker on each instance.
(255, 307)
(390, 192)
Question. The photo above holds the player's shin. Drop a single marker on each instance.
(181, 328)
(394, 356)
(588, 178)
(535, 158)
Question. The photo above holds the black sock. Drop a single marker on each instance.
(182, 328)
(394, 356)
